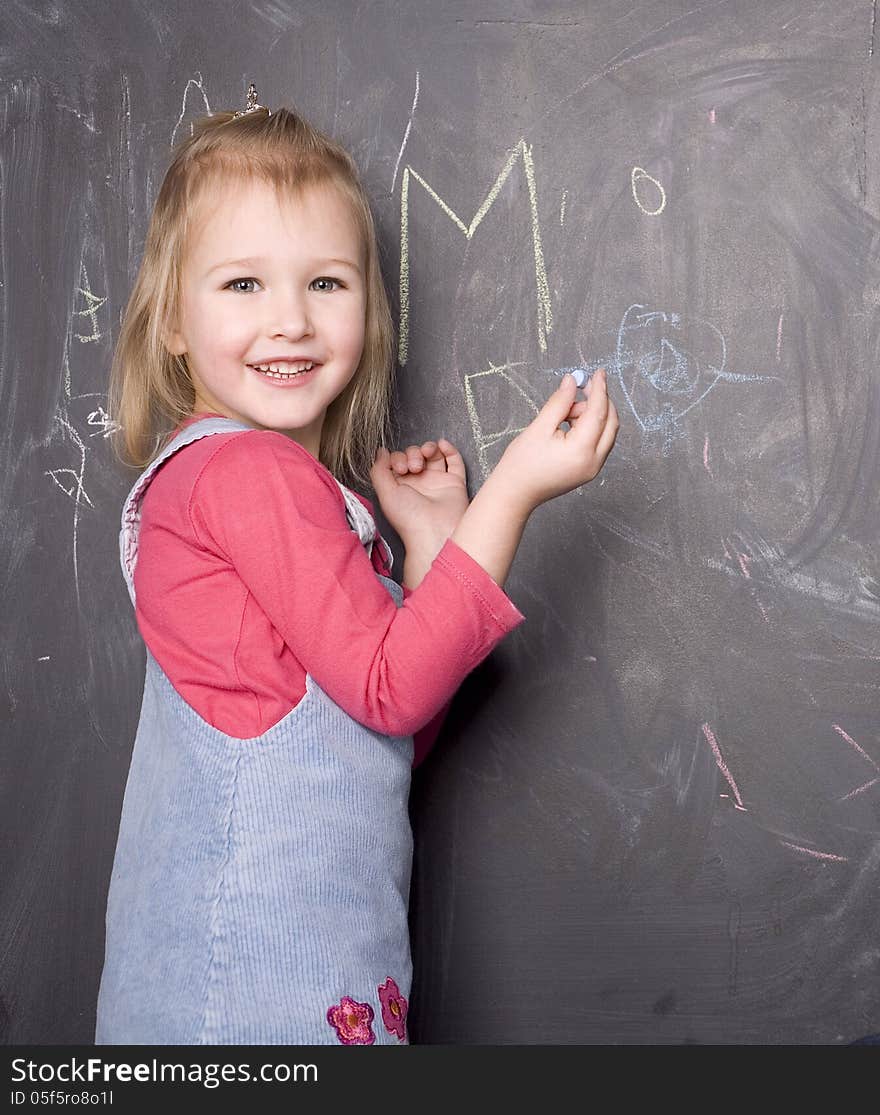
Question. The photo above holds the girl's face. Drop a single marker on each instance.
(296, 294)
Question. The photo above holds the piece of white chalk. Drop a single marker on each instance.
(580, 376)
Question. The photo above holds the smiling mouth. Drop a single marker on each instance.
(272, 372)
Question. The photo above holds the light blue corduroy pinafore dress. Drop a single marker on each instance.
(259, 888)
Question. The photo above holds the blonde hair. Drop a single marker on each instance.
(150, 391)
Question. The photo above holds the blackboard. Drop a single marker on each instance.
(653, 815)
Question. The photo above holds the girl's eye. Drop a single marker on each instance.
(235, 281)
(325, 281)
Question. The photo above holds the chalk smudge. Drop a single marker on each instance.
(722, 766)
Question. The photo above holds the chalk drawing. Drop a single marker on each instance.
(667, 363)
(722, 766)
(562, 210)
(867, 785)
(406, 133)
(860, 789)
(523, 152)
(93, 304)
(853, 743)
(103, 421)
(813, 853)
(639, 174)
(483, 440)
(76, 491)
(831, 857)
(71, 480)
(203, 109)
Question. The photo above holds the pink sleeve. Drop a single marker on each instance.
(269, 508)
(425, 738)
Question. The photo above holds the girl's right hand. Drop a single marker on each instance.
(543, 461)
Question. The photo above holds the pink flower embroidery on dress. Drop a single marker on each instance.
(352, 1022)
(394, 1008)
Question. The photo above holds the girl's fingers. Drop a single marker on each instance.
(440, 455)
(599, 393)
(381, 474)
(411, 459)
(426, 455)
(433, 455)
(592, 422)
(454, 460)
(399, 463)
(609, 434)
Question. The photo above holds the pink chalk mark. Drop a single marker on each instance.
(859, 789)
(744, 560)
(711, 115)
(815, 855)
(779, 338)
(706, 456)
(722, 766)
(849, 739)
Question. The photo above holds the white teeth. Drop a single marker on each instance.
(276, 371)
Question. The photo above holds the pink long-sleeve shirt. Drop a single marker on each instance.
(248, 575)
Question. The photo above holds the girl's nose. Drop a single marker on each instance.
(290, 317)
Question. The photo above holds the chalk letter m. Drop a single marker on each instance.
(545, 314)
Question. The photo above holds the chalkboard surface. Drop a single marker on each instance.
(653, 815)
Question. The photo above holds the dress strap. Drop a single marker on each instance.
(363, 524)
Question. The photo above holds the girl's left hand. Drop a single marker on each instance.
(422, 491)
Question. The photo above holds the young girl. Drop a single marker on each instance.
(260, 884)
